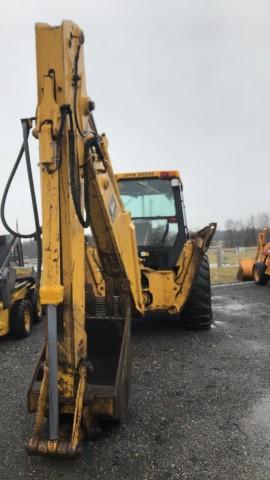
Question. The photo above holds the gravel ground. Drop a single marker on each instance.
(199, 409)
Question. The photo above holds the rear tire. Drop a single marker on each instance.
(197, 313)
(20, 319)
(258, 274)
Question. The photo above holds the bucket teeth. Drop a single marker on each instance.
(59, 447)
(56, 448)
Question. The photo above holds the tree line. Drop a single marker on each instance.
(243, 233)
(237, 233)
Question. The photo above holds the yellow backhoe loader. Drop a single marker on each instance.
(89, 293)
(257, 268)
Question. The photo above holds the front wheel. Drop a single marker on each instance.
(197, 312)
(258, 273)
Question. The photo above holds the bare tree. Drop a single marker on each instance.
(244, 233)
(262, 220)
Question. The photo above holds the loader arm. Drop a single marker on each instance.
(112, 227)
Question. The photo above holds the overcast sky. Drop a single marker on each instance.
(178, 84)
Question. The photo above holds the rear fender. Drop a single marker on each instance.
(185, 273)
(203, 237)
(189, 263)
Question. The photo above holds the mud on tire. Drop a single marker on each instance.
(197, 313)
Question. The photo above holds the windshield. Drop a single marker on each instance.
(148, 197)
(152, 206)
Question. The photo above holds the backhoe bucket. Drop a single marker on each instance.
(102, 386)
(245, 270)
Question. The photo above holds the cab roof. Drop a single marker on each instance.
(153, 174)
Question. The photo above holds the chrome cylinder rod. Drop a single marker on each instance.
(53, 380)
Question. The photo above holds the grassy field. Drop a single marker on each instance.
(223, 275)
(227, 273)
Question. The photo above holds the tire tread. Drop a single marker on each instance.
(197, 312)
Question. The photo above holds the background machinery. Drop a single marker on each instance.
(89, 293)
(18, 301)
(258, 268)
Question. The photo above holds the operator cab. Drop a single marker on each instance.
(155, 201)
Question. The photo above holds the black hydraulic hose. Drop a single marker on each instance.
(73, 169)
(65, 112)
(25, 125)
(37, 234)
(4, 197)
(74, 180)
(75, 183)
(76, 79)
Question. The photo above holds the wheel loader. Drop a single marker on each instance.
(257, 268)
(18, 301)
(143, 259)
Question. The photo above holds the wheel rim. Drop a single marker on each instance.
(27, 320)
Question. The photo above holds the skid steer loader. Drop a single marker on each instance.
(18, 302)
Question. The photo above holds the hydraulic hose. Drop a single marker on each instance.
(75, 183)
(74, 180)
(37, 234)
(73, 167)
(25, 125)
